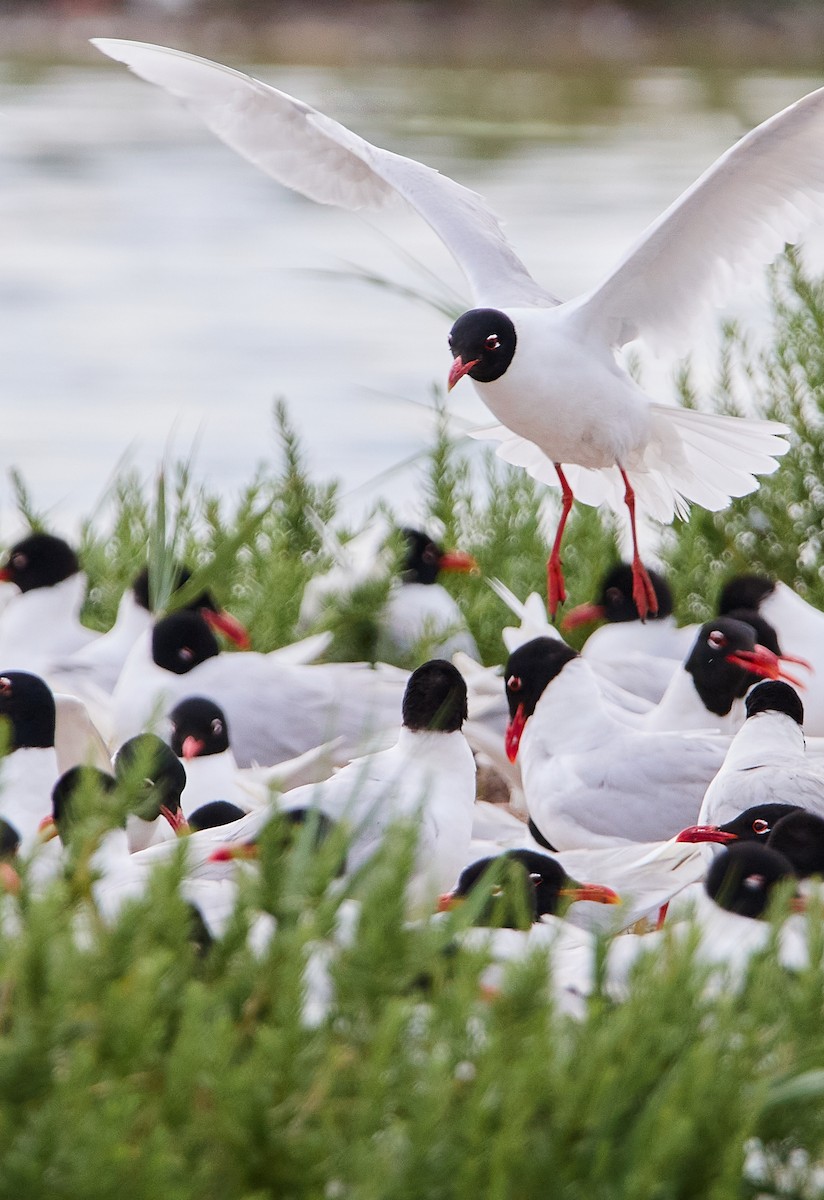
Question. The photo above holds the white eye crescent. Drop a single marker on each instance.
(716, 640)
(514, 683)
(492, 342)
(760, 827)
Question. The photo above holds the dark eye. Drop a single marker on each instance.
(492, 342)
(760, 827)
(217, 726)
(514, 683)
(185, 654)
(716, 640)
(19, 562)
(754, 882)
(5, 686)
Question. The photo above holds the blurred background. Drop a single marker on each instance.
(157, 294)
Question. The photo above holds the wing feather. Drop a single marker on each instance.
(762, 193)
(315, 155)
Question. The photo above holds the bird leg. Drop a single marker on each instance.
(555, 590)
(643, 593)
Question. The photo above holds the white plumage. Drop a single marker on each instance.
(766, 763)
(589, 780)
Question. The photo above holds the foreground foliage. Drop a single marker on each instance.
(132, 1063)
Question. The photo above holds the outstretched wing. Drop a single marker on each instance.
(309, 152)
(762, 193)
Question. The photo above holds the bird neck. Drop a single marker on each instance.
(767, 738)
(681, 707)
(570, 717)
(434, 744)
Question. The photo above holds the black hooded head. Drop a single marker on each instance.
(435, 698)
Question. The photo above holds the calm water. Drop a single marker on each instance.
(156, 291)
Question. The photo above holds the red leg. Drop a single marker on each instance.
(555, 590)
(643, 593)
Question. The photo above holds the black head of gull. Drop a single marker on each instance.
(9, 840)
(87, 781)
(724, 658)
(745, 592)
(483, 342)
(199, 728)
(435, 698)
(799, 836)
(9, 846)
(283, 831)
(522, 886)
(27, 707)
(765, 633)
(141, 589)
(742, 877)
(153, 777)
(774, 695)
(215, 814)
(203, 603)
(753, 825)
(529, 670)
(425, 559)
(182, 641)
(38, 561)
(616, 603)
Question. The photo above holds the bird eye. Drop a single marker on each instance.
(716, 640)
(217, 726)
(760, 827)
(534, 878)
(754, 882)
(5, 686)
(185, 654)
(514, 684)
(492, 342)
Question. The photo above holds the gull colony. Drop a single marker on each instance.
(663, 772)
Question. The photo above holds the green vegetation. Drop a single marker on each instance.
(135, 1062)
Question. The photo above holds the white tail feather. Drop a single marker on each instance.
(703, 458)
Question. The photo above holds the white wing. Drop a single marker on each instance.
(762, 193)
(309, 152)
